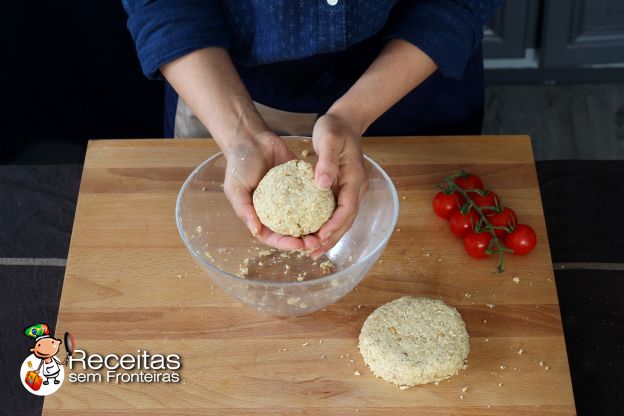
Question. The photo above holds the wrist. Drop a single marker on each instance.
(234, 144)
(351, 115)
(241, 126)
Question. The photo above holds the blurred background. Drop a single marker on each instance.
(555, 70)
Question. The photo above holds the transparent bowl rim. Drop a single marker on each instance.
(251, 282)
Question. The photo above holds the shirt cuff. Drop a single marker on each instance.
(167, 29)
(446, 31)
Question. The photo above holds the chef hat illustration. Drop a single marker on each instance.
(38, 331)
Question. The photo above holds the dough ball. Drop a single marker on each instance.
(288, 201)
(414, 340)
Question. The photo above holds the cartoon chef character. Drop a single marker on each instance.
(45, 348)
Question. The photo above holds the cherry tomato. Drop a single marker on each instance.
(522, 240)
(469, 182)
(506, 218)
(489, 199)
(444, 204)
(477, 243)
(461, 223)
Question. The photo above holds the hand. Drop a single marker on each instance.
(340, 167)
(247, 163)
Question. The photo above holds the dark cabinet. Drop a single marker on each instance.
(583, 32)
(511, 30)
(565, 33)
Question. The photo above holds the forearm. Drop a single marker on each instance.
(398, 69)
(208, 82)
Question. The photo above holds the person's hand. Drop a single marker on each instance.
(340, 167)
(247, 163)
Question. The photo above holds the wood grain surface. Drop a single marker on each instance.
(131, 284)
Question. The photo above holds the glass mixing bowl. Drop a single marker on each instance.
(222, 245)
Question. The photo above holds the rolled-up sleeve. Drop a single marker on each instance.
(448, 31)
(164, 30)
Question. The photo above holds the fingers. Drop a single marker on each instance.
(348, 175)
(241, 201)
(240, 198)
(282, 242)
(333, 237)
(328, 149)
(344, 215)
(311, 242)
(353, 180)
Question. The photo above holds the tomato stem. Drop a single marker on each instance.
(483, 223)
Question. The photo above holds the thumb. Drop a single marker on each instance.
(328, 164)
(241, 200)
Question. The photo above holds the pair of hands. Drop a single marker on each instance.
(340, 167)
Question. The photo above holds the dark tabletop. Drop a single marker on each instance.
(582, 200)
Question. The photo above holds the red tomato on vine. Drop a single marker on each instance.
(505, 218)
(469, 181)
(522, 240)
(445, 204)
(476, 244)
(461, 223)
(485, 199)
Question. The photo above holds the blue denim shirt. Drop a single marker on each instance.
(258, 32)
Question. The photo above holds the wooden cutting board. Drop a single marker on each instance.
(131, 285)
